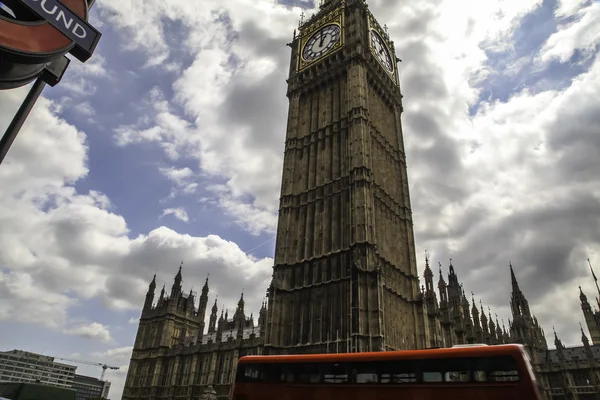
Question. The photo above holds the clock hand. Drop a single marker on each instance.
(322, 39)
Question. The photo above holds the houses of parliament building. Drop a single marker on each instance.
(345, 271)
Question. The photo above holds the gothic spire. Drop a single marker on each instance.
(557, 341)
(594, 275)
(428, 271)
(513, 278)
(205, 287)
(428, 274)
(584, 338)
(582, 296)
(176, 288)
(441, 282)
(152, 285)
(150, 294)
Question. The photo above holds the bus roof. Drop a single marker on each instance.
(479, 351)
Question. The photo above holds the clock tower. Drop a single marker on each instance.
(345, 276)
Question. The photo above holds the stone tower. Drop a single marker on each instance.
(592, 317)
(174, 320)
(345, 276)
(525, 328)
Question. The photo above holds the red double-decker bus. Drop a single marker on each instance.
(476, 372)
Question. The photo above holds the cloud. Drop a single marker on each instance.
(581, 35)
(92, 330)
(178, 213)
(85, 109)
(182, 178)
(21, 301)
(71, 246)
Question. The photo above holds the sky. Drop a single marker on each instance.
(167, 146)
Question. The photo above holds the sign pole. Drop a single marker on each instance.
(19, 119)
(52, 75)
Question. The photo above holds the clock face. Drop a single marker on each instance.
(321, 42)
(381, 51)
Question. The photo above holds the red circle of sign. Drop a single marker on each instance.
(39, 40)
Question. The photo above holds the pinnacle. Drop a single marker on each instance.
(513, 278)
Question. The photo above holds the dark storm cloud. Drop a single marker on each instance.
(576, 140)
(542, 242)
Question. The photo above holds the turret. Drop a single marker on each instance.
(466, 315)
(478, 332)
(559, 347)
(493, 339)
(262, 319)
(189, 303)
(484, 325)
(428, 275)
(176, 288)
(499, 333)
(239, 318)
(590, 318)
(524, 328)
(432, 307)
(150, 294)
(220, 326)
(212, 323)
(161, 299)
(595, 281)
(202, 306)
(442, 287)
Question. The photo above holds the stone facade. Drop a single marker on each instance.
(174, 357)
(345, 266)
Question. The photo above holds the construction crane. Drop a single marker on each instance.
(104, 366)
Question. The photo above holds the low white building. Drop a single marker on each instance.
(22, 366)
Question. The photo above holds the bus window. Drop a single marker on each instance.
(406, 377)
(307, 373)
(462, 376)
(503, 369)
(504, 376)
(397, 372)
(479, 376)
(249, 373)
(366, 377)
(432, 377)
(259, 373)
(335, 373)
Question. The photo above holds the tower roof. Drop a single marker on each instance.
(582, 296)
(513, 278)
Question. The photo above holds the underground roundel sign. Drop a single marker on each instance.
(35, 32)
